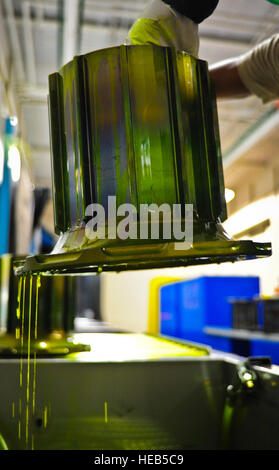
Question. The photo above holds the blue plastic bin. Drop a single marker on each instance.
(187, 307)
(261, 347)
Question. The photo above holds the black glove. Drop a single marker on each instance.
(196, 10)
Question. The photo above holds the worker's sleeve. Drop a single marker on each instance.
(163, 26)
(259, 69)
(150, 31)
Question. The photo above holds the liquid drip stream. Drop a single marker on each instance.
(27, 333)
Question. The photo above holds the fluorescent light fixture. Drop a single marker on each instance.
(252, 214)
(2, 161)
(14, 162)
(229, 195)
(13, 121)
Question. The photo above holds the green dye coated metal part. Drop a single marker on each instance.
(123, 123)
(36, 314)
(138, 123)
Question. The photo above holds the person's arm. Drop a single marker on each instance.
(228, 83)
(255, 72)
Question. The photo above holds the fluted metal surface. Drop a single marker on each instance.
(138, 123)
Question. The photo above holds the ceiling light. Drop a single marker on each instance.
(2, 161)
(13, 121)
(14, 162)
(229, 195)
